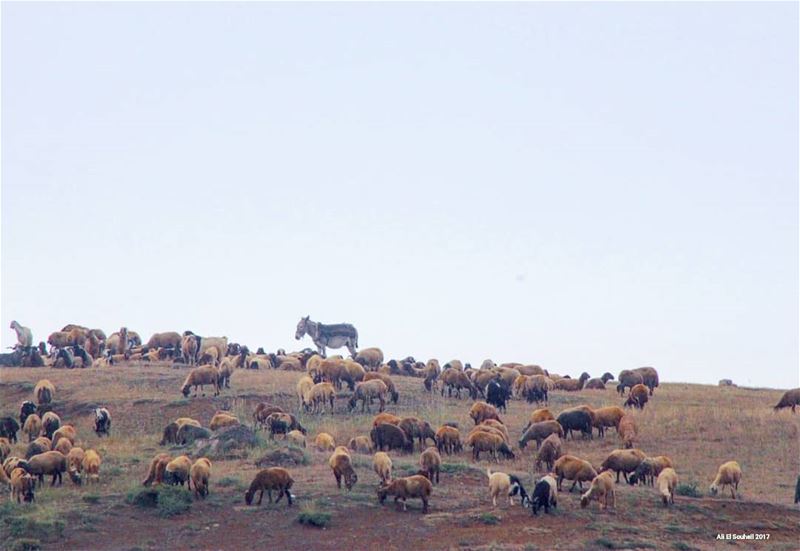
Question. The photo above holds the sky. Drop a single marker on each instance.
(589, 187)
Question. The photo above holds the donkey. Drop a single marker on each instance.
(333, 336)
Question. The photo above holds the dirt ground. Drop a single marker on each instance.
(699, 427)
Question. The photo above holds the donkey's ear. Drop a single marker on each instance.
(306, 318)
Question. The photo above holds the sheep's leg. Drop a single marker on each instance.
(260, 496)
(624, 475)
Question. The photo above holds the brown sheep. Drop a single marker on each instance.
(32, 426)
(607, 417)
(22, 485)
(189, 347)
(342, 468)
(274, 478)
(486, 442)
(66, 431)
(199, 475)
(63, 446)
(262, 412)
(177, 471)
(728, 474)
(538, 416)
(667, 482)
(370, 358)
(91, 465)
(209, 357)
(481, 411)
(602, 488)
(75, 460)
(494, 423)
(50, 424)
(225, 370)
(549, 452)
(391, 437)
(649, 469)
(170, 339)
(430, 463)
(360, 444)
(572, 385)
(40, 445)
(573, 468)
(389, 418)
(415, 427)
(53, 463)
(319, 395)
(628, 379)
(5, 449)
(393, 394)
(44, 391)
(539, 431)
(649, 377)
(157, 467)
(637, 397)
(58, 339)
(536, 388)
(201, 376)
(454, 379)
(791, 398)
(366, 391)
(627, 431)
(623, 461)
(408, 487)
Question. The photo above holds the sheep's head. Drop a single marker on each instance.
(584, 501)
(506, 451)
(395, 396)
(713, 489)
(248, 497)
(185, 391)
(74, 476)
(383, 491)
(350, 479)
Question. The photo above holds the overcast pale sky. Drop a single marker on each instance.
(584, 186)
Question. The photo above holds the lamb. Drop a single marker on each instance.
(360, 444)
(393, 394)
(448, 440)
(481, 411)
(729, 474)
(391, 437)
(649, 469)
(371, 358)
(538, 416)
(22, 485)
(382, 465)
(627, 431)
(408, 487)
(200, 376)
(623, 461)
(177, 471)
(637, 397)
(545, 494)
(296, 438)
(199, 474)
(157, 467)
(366, 391)
(324, 442)
(50, 424)
(319, 394)
(505, 485)
(667, 482)
(602, 488)
(44, 391)
(607, 417)
(572, 385)
(102, 421)
(628, 379)
(274, 478)
(540, 431)
(573, 468)
(222, 420)
(549, 452)
(304, 385)
(32, 426)
(492, 443)
(24, 335)
(430, 463)
(791, 398)
(53, 463)
(649, 377)
(91, 465)
(342, 468)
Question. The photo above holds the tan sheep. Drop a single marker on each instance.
(623, 461)
(65, 431)
(370, 358)
(482, 441)
(360, 444)
(728, 474)
(64, 446)
(199, 474)
(319, 395)
(177, 471)
(75, 460)
(366, 391)
(602, 488)
(189, 349)
(539, 415)
(274, 478)
(223, 420)
(638, 397)
(667, 482)
(157, 467)
(627, 431)
(549, 452)
(408, 487)
(430, 463)
(386, 418)
(481, 411)
(44, 391)
(607, 417)
(502, 484)
(539, 431)
(342, 468)
(387, 380)
(50, 463)
(32, 426)
(573, 468)
(22, 485)
(448, 440)
(297, 438)
(91, 465)
(572, 385)
(324, 442)
(382, 464)
(201, 376)
(304, 385)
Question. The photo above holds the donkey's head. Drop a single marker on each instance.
(302, 328)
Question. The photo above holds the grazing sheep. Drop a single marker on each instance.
(353, 373)
(209, 357)
(607, 417)
(262, 412)
(44, 391)
(628, 379)
(623, 461)
(22, 485)
(791, 398)
(279, 423)
(199, 475)
(32, 426)
(50, 463)
(102, 421)
(572, 385)
(481, 411)
(371, 358)
(222, 420)
(91, 465)
(545, 494)
(218, 343)
(274, 478)
(490, 430)
(382, 465)
(448, 440)
(393, 394)
(573, 468)
(304, 385)
(649, 469)
(40, 445)
(536, 388)
(63, 446)
(549, 452)
(187, 434)
(319, 395)
(408, 487)
(575, 419)
(201, 376)
(728, 474)
(75, 460)
(177, 471)
(538, 416)
(540, 431)
(638, 397)
(360, 444)
(602, 488)
(50, 424)
(342, 468)
(324, 442)
(430, 463)
(649, 377)
(65, 431)
(486, 442)
(502, 484)
(455, 379)
(667, 482)
(391, 437)
(417, 428)
(157, 467)
(366, 391)
(627, 431)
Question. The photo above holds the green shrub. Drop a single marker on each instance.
(168, 500)
(25, 544)
(488, 518)
(314, 518)
(689, 490)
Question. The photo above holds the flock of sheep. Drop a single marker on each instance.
(52, 450)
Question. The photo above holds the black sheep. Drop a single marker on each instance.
(391, 437)
(26, 409)
(541, 497)
(575, 420)
(9, 428)
(497, 395)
